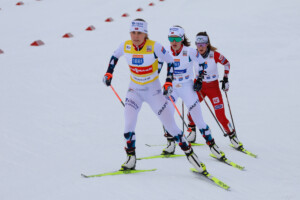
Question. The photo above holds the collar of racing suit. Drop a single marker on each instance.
(138, 48)
(176, 53)
(206, 53)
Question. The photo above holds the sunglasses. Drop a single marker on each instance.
(176, 39)
(201, 44)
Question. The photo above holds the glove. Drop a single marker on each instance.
(168, 89)
(107, 79)
(225, 84)
(198, 84)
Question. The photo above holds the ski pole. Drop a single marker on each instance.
(117, 95)
(213, 114)
(229, 110)
(189, 129)
(183, 116)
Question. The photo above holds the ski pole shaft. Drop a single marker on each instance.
(189, 129)
(183, 116)
(117, 95)
(213, 114)
(230, 110)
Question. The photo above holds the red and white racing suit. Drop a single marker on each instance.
(211, 89)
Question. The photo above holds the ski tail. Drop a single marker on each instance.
(119, 172)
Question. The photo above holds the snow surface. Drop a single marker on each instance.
(57, 119)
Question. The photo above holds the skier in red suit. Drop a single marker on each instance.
(210, 86)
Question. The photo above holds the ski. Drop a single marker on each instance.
(160, 145)
(228, 162)
(242, 149)
(119, 172)
(161, 156)
(212, 178)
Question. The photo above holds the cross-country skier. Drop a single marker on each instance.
(184, 86)
(210, 86)
(142, 57)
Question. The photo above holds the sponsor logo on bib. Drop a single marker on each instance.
(205, 65)
(149, 48)
(176, 63)
(180, 71)
(141, 70)
(137, 59)
(128, 47)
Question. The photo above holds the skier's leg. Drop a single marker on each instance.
(193, 104)
(161, 107)
(171, 146)
(216, 99)
(192, 135)
(133, 105)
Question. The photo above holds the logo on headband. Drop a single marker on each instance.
(202, 39)
(173, 29)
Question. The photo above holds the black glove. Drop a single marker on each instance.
(198, 84)
(107, 79)
(225, 84)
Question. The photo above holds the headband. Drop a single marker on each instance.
(176, 31)
(139, 26)
(201, 39)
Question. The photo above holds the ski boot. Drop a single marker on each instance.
(215, 150)
(206, 133)
(191, 156)
(193, 159)
(131, 160)
(170, 149)
(191, 138)
(234, 140)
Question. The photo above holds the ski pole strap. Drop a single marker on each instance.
(117, 95)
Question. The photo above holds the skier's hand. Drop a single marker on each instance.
(198, 84)
(225, 84)
(168, 89)
(107, 79)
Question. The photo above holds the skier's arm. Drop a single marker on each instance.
(162, 53)
(196, 57)
(160, 65)
(112, 64)
(219, 58)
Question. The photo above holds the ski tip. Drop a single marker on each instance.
(148, 145)
(84, 176)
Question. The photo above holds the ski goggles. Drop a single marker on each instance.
(201, 44)
(176, 39)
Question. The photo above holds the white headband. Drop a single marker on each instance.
(176, 31)
(201, 39)
(139, 26)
